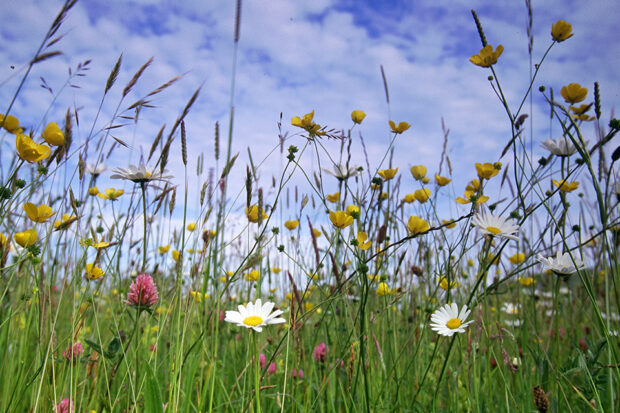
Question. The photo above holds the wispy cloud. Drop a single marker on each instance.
(323, 55)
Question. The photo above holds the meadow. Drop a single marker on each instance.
(288, 296)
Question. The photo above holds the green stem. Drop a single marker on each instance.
(143, 187)
(256, 371)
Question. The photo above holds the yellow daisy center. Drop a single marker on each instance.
(453, 323)
(252, 320)
(494, 230)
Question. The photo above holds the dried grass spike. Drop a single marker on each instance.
(136, 76)
(113, 74)
(483, 38)
(183, 143)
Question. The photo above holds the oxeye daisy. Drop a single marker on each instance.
(562, 264)
(448, 320)
(140, 174)
(495, 225)
(255, 315)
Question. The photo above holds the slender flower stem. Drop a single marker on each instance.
(143, 187)
(256, 371)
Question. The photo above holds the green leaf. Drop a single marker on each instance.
(152, 397)
(114, 347)
(94, 346)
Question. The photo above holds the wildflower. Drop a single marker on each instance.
(65, 406)
(53, 135)
(526, 281)
(388, 174)
(400, 128)
(319, 354)
(472, 197)
(30, 151)
(297, 374)
(487, 57)
(2, 240)
(26, 238)
(253, 275)
(384, 195)
(488, 170)
(446, 285)
(448, 320)
(191, 227)
(272, 368)
(316, 233)
(561, 31)
(262, 360)
(111, 194)
(95, 169)
(176, 254)
(292, 224)
(517, 259)
(442, 181)
(333, 198)
(39, 213)
(198, 296)
(343, 172)
(562, 264)
(162, 249)
(495, 225)
(252, 213)
(580, 112)
(417, 225)
(93, 191)
(306, 123)
(565, 186)
(422, 195)
(409, 198)
(11, 124)
(448, 224)
(358, 116)
(510, 308)
(93, 272)
(383, 289)
(140, 174)
(255, 315)
(73, 351)
(276, 270)
(340, 219)
(573, 93)
(89, 242)
(142, 292)
(361, 241)
(353, 210)
(418, 172)
(65, 222)
(560, 147)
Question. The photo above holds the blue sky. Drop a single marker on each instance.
(320, 55)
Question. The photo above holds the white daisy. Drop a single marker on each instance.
(495, 225)
(255, 315)
(562, 264)
(510, 308)
(448, 320)
(561, 146)
(95, 169)
(341, 171)
(140, 174)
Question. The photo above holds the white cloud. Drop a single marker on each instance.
(299, 56)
